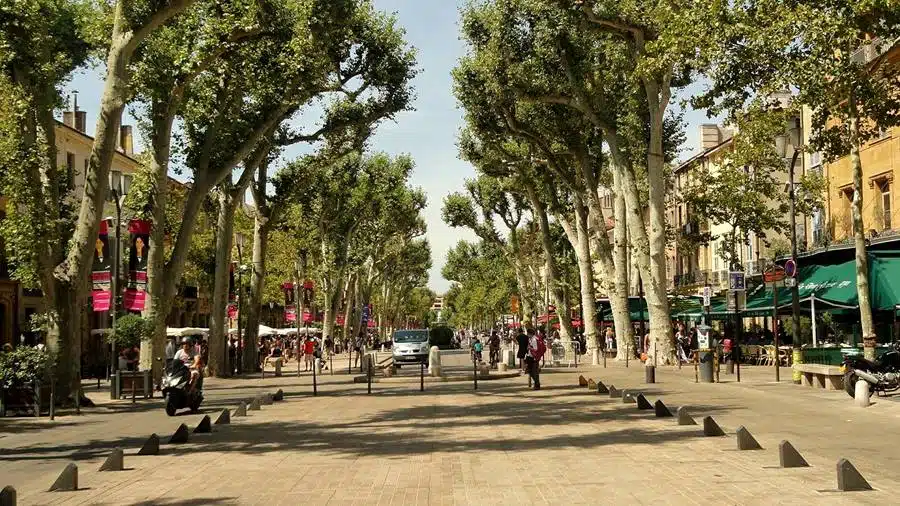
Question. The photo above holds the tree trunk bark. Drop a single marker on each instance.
(218, 328)
(657, 299)
(257, 277)
(586, 273)
(621, 310)
(557, 292)
(859, 240)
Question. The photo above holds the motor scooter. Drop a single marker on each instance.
(176, 388)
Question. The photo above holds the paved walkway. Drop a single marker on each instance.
(502, 444)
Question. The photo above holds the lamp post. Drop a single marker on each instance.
(792, 137)
(239, 243)
(114, 282)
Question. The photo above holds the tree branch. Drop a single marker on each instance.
(159, 18)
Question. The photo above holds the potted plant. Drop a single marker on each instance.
(129, 331)
(22, 371)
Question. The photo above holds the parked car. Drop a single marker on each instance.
(410, 346)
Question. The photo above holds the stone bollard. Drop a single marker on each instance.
(8, 496)
(434, 362)
(509, 358)
(501, 367)
(862, 393)
(278, 367)
(650, 374)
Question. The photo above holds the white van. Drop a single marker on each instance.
(410, 346)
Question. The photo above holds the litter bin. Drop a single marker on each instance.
(706, 365)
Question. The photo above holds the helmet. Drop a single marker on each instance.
(186, 340)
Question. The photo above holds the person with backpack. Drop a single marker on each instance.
(477, 347)
(536, 349)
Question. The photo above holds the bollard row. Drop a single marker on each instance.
(849, 479)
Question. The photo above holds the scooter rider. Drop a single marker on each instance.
(190, 360)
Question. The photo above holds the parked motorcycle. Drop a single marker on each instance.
(176, 388)
(882, 374)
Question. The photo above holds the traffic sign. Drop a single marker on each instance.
(790, 268)
(773, 275)
(736, 281)
(707, 296)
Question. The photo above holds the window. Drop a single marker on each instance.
(884, 187)
(607, 201)
(818, 225)
(846, 203)
(126, 183)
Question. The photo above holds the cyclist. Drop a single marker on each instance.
(494, 346)
(476, 349)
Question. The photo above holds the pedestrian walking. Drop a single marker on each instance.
(309, 350)
(522, 342)
(536, 350)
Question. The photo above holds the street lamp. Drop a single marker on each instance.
(790, 141)
(115, 196)
(239, 243)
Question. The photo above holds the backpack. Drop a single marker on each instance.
(541, 348)
(478, 347)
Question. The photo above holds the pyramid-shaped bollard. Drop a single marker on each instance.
(788, 456)
(581, 381)
(254, 405)
(8, 496)
(67, 480)
(745, 440)
(711, 428)
(685, 418)
(642, 402)
(661, 409)
(279, 395)
(150, 446)
(849, 479)
(629, 396)
(115, 461)
(601, 388)
(224, 418)
(592, 385)
(614, 393)
(241, 410)
(204, 427)
(266, 399)
(180, 435)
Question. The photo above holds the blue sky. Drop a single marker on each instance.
(428, 133)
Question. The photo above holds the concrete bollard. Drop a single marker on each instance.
(434, 362)
(745, 440)
(241, 409)
(180, 436)
(115, 461)
(849, 479)
(8, 496)
(582, 382)
(614, 393)
(204, 427)
(224, 418)
(661, 409)
(601, 388)
(501, 367)
(67, 480)
(509, 358)
(642, 402)
(255, 405)
(685, 418)
(788, 456)
(150, 446)
(592, 385)
(278, 396)
(862, 393)
(266, 399)
(711, 428)
(650, 374)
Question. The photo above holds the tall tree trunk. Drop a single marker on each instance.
(557, 291)
(621, 310)
(525, 293)
(657, 300)
(257, 276)
(218, 331)
(332, 301)
(859, 239)
(586, 273)
(350, 308)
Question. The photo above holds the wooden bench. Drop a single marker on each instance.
(828, 377)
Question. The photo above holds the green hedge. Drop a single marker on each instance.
(441, 337)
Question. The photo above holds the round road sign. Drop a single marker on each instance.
(790, 268)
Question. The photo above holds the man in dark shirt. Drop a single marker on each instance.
(522, 341)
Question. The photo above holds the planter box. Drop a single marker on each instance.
(126, 382)
(25, 401)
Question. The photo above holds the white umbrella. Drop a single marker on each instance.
(286, 332)
(267, 331)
